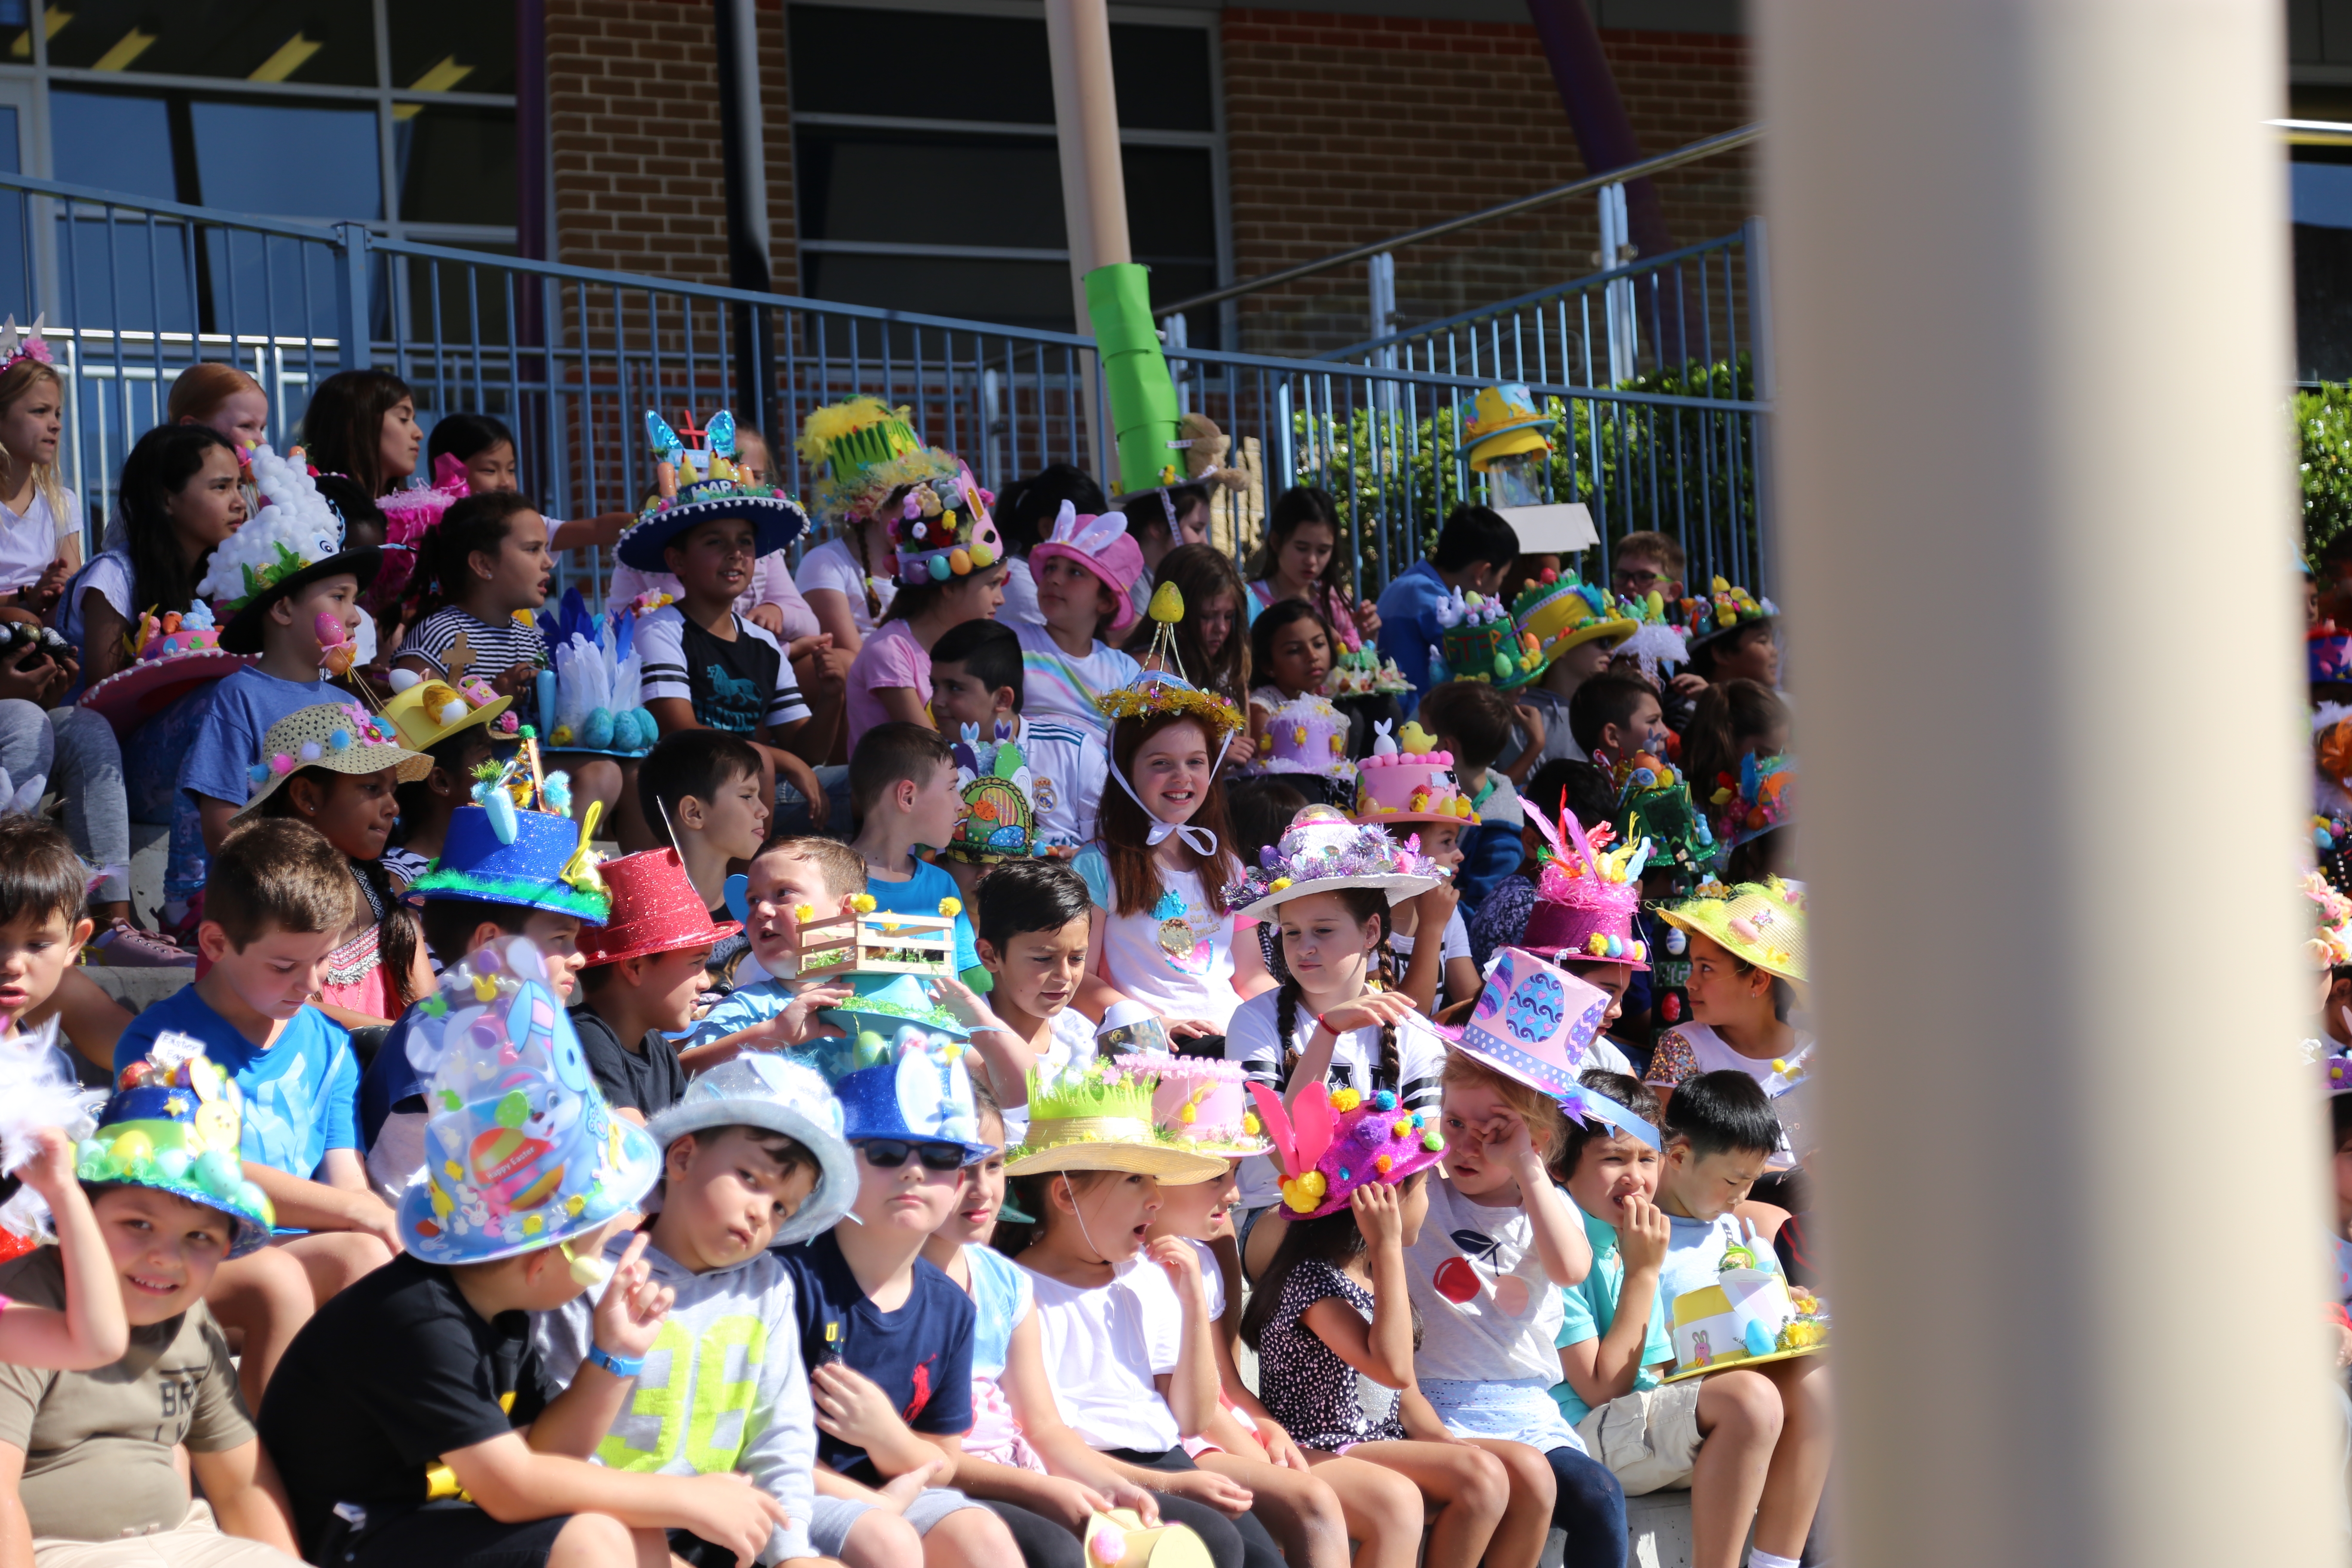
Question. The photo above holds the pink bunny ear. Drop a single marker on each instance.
(1311, 1113)
(1277, 1127)
(1094, 534)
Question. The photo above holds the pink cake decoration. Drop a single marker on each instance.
(1405, 784)
(1200, 1103)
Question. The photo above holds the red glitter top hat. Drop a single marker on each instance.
(655, 910)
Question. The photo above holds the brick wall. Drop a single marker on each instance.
(1343, 129)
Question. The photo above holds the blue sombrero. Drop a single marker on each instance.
(699, 486)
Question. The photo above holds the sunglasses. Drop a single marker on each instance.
(889, 1153)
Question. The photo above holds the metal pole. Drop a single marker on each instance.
(748, 254)
(1970, 187)
(1094, 187)
(355, 319)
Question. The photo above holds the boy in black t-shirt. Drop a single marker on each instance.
(416, 1426)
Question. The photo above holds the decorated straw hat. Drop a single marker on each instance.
(1100, 1118)
(1101, 545)
(176, 1123)
(695, 485)
(920, 1093)
(1561, 612)
(1723, 608)
(1330, 1143)
(1749, 1314)
(341, 737)
(520, 1149)
(941, 531)
(862, 450)
(655, 910)
(171, 653)
(1586, 897)
(880, 1003)
(1502, 422)
(1200, 1103)
(427, 710)
(760, 1088)
(1760, 922)
(296, 541)
(1322, 852)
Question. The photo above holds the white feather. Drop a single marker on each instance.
(37, 1091)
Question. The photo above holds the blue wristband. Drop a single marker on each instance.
(619, 1366)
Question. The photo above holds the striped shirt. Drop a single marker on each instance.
(741, 684)
(490, 650)
(1056, 686)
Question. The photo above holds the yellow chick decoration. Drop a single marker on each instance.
(1415, 740)
(1167, 604)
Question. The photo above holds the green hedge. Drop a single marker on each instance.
(2323, 419)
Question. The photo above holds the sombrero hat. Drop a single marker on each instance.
(699, 486)
(172, 654)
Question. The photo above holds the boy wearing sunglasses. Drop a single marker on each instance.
(886, 1335)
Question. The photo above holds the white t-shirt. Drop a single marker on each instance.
(1686, 1051)
(1177, 957)
(1163, 1310)
(1355, 1064)
(1454, 944)
(1103, 1357)
(832, 565)
(108, 575)
(1054, 685)
(1020, 607)
(1488, 1310)
(29, 541)
(1068, 767)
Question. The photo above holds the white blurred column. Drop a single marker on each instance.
(1094, 185)
(2035, 483)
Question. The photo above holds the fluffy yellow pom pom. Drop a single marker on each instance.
(950, 907)
(1345, 1099)
(863, 903)
(803, 912)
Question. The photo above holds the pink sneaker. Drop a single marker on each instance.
(126, 946)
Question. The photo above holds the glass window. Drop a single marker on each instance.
(17, 29)
(1010, 293)
(853, 184)
(114, 141)
(1171, 203)
(456, 164)
(452, 46)
(325, 41)
(288, 160)
(1161, 77)
(848, 62)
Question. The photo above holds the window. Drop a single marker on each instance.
(940, 191)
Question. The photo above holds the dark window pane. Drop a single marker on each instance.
(854, 185)
(1171, 206)
(1161, 75)
(325, 41)
(988, 67)
(290, 160)
(452, 46)
(454, 165)
(15, 30)
(1007, 293)
(118, 144)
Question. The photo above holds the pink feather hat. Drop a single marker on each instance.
(1102, 546)
(1585, 900)
(1330, 1143)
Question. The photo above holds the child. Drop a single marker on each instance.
(1576, 628)
(1208, 646)
(1335, 1017)
(420, 715)
(40, 520)
(179, 498)
(1035, 917)
(1719, 1135)
(361, 425)
(1474, 548)
(1097, 1191)
(104, 1441)
(1732, 636)
(474, 454)
(1473, 721)
(481, 889)
(978, 678)
(1746, 954)
(1442, 969)
(1083, 570)
(399, 1429)
(875, 1317)
(789, 882)
(1290, 654)
(276, 902)
(938, 524)
(644, 970)
(902, 780)
(43, 885)
(1733, 721)
(866, 456)
(1028, 507)
(222, 398)
(291, 621)
(1501, 917)
(1330, 1322)
(1300, 560)
(750, 1157)
(480, 575)
(1500, 1240)
(701, 791)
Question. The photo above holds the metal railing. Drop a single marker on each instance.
(137, 290)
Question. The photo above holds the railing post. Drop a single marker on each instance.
(1759, 362)
(352, 303)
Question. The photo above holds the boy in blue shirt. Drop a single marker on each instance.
(1474, 549)
(902, 781)
(276, 902)
(789, 880)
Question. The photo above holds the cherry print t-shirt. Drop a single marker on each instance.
(1489, 1313)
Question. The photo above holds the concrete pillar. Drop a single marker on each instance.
(2032, 360)
(1093, 185)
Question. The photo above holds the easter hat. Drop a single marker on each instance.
(1722, 609)
(1000, 820)
(1748, 1315)
(37, 1092)
(170, 654)
(538, 865)
(1586, 897)
(862, 450)
(1321, 852)
(2327, 654)
(295, 540)
(920, 1094)
(1764, 799)
(176, 1123)
(2331, 942)
(520, 1149)
(1561, 612)
(1536, 1022)
(1761, 923)
(1654, 805)
(1414, 782)
(1656, 641)
(1101, 544)
(427, 710)
(701, 484)
(943, 531)
(655, 910)
(592, 697)
(341, 737)
(760, 1088)
(1120, 1539)
(1100, 1118)
(882, 1003)
(1502, 422)
(1330, 1143)
(1200, 1103)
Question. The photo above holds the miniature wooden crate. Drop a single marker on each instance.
(877, 943)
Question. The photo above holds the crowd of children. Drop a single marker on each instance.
(1082, 1052)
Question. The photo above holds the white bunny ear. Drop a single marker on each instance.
(1098, 532)
(1066, 523)
(29, 797)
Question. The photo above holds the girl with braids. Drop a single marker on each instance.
(851, 578)
(1322, 899)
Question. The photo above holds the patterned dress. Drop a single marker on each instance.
(1319, 1398)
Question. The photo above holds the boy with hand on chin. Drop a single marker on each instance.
(790, 880)
(903, 779)
(644, 970)
(1719, 1133)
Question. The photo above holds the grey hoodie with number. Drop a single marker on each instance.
(722, 1389)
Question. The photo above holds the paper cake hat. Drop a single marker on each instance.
(700, 484)
(1762, 923)
(1586, 896)
(1360, 672)
(1306, 735)
(760, 1088)
(341, 737)
(923, 1095)
(863, 449)
(1329, 1143)
(1321, 852)
(425, 711)
(1479, 642)
(1723, 608)
(177, 1122)
(1200, 1103)
(520, 1149)
(1561, 612)
(1101, 545)
(1002, 802)
(592, 699)
(1748, 1316)
(295, 540)
(1099, 1117)
(1407, 779)
(169, 654)
(1537, 1022)
(1502, 422)
(943, 531)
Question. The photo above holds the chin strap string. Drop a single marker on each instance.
(1199, 839)
(1076, 1212)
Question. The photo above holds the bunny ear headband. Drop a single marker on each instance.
(1329, 1143)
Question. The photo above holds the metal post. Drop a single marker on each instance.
(1760, 317)
(747, 252)
(1094, 187)
(1616, 250)
(353, 309)
(1970, 187)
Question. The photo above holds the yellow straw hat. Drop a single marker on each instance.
(1100, 1119)
(341, 737)
(1762, 923)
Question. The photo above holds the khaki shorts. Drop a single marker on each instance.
(197, 1543)
(1648, 1438)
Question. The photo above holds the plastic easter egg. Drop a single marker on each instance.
(88, 1155)
(982, 556)
(960, 562)
(596, 730)
(129, 1148)
(402, 679)
(940, 569)
(172, 1162)
(218, 1172)
(502, 809)
(1678, 941)
(251, 1198)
